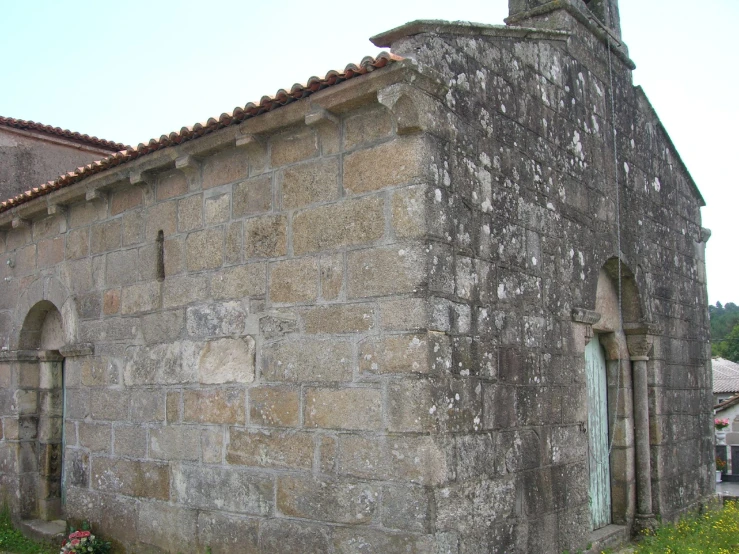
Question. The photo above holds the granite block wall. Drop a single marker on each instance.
(356, 325)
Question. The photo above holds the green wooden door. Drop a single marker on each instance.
(600, 467)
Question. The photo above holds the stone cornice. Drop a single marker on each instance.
(463, 28)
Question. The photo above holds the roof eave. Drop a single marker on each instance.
(336, 100)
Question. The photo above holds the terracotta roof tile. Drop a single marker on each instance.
(728, 403)
(186, 134)
(63, 133)
(725, 375)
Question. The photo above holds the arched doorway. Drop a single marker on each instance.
(617, 418)
(41, 412)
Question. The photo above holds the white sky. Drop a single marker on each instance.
(129, 71)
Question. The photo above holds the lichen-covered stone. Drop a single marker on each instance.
(338, 501)
(227, 534)
(402, 458)
(274, 406)
(294, 281)
(214, 406)
(348, 223)
(175, 443)
(401, 162)
(227, 360)
(307, 361)
(309, 183)
(356, 408)
(290, 535)
(131, 478)
(270, 448)
(219, 488)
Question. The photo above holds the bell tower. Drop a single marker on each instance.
(607, 12)
(599, 18)
(532, 12)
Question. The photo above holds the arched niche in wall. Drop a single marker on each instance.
(40, 369)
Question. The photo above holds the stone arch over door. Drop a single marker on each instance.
(614, 319)
(47, 289)
(44, 333)
(40, 370)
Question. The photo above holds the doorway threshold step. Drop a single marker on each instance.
(52, 532)
(610, 536)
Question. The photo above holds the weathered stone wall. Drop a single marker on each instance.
(530, 191)
(255, 398)
(28, 160)
(352, 331)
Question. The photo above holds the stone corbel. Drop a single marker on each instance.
(319, 116)
(256, 151)
(705, 234)
(327, 126)
(248, 142)
(414, 110)
(20, 223)
(587, 318)
(188, 165)
(94, 194)
(56, 209)
(139, 178)
(143, 180)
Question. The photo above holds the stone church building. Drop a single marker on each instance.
(449, 300)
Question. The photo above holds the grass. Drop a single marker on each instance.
(712, 532)
(12, 540)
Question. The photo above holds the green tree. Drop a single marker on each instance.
(724, 318)
(728, 347)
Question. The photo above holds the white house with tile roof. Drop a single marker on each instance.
(725, 379)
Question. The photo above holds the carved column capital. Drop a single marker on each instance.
(640, 346)
(640, 340)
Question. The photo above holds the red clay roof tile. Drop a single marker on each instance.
(63, 133)
(186, 134)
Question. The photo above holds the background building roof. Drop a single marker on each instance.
(725, 375)
(25, 125)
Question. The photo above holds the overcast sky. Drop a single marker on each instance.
(129, 71)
